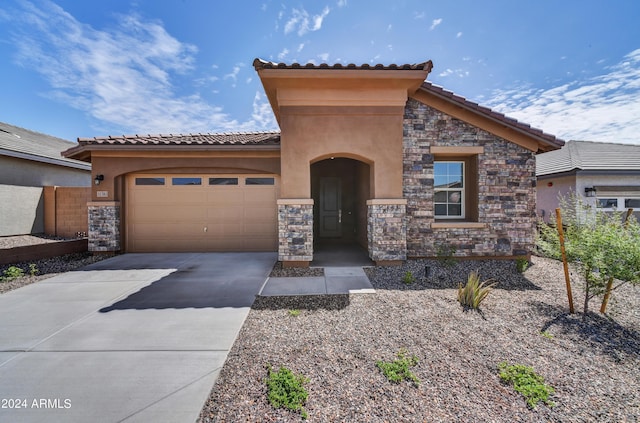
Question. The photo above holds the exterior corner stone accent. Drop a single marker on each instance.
(387, 231)
(295, 231)
(104, 227)
(506, 188)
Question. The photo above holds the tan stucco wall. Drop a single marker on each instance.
(370, 134)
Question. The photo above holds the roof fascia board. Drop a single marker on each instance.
(42, 159)
(489, 124)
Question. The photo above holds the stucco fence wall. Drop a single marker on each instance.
(21, 210)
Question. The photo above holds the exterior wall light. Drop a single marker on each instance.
(98, 179)
(590, 191)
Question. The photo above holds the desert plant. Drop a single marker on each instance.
(408, 278)
(474, 292)
(398, 370)
(33, 269)
(526, 382)
(285, 389)
(445, 254)
(546, 334)
(522, 264)
(12, 273)
(294, 312)
(602, 246)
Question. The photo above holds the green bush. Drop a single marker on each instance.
(527, 382)
(602, 246)
(398, 370)
(12, 273)
(522, 264)
(294, 312)
(286, 390)
(408, 278)
(33, 269)
(474, 291)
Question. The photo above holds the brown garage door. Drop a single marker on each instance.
(173, 213)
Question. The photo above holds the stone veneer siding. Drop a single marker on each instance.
(295, 230)
(506, 188)
(104, 226)
(387, 231)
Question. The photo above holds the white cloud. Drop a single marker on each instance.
(283, 54)
(300, 47)
(461, 73)
(342, 3)
(435, 23)
(459, 34)
(602, 108)
(418, 15)
(389, 28)
(324, 57)
(302, 22)
(123, 76)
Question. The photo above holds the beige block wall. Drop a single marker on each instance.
(66, 210)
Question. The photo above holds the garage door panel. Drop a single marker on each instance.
(201, 218)
(224, 213)
(230, 195)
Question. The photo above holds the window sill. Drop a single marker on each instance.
(458, 225)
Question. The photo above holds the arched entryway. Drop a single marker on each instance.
(340, 188)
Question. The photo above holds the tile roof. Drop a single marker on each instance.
(229, 138)
(30, 145)
(264, 64)
(548, 139)
(589, 155)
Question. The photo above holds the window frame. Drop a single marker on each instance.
(462, 190)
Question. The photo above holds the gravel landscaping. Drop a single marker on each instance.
(335, 341)
(46, 268)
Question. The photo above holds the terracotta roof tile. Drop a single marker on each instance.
(264, 64)
(229, 138)
(470, 105)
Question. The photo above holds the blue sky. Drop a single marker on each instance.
(75, 68)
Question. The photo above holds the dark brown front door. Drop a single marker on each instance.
(330, 207)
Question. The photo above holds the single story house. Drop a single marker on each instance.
(604, 175)
(30, 161)
(372, 155)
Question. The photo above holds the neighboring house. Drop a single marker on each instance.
(606, 175)
(372, 155)
(30, 161)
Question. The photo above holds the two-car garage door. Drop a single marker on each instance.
(175, 212)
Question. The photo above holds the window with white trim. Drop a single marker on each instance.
(449, 187)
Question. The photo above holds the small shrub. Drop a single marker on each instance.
(474, 291)
(408, 278)
(522, 264)
(527, 382)
(33, 269)
(445, 254)
(546, 334)
(398, 370)
(12, 273)
(294, 313)
(286, 390)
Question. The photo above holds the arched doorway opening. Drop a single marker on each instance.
(340, 188)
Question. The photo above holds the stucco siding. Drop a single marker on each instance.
(502, 190)
(20, 172)
(21, 210)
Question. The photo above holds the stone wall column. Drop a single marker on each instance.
(387, 230)
(295, 231)
(104, 226)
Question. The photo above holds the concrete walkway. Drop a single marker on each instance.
(336, 280)
(135, 338)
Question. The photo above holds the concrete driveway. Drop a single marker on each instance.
(135, 338)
